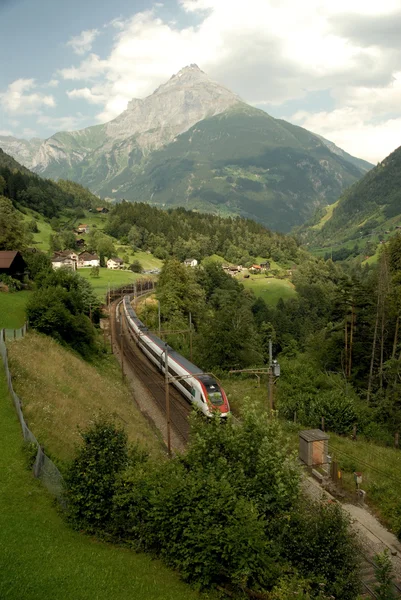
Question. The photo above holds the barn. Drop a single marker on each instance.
(12, 263)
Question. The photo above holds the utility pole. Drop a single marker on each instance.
(167, 401)
(160, 321)
(110, 320)
(270, 383)
(122, 344)
(190, 335)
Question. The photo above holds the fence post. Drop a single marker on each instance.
(396, 439)
(322, 425)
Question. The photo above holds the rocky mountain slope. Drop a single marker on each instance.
(372, 206)
(195, 143)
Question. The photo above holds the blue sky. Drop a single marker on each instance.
(334, 68)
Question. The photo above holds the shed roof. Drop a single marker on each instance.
(7, 257)
(313, 435)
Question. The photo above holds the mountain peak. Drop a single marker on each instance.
(192, 68)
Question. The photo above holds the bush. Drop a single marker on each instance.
(319, 544)
(13, 284)
(90, 479)
(136, 266)
(55, 312)
(303, 389)
(226, 511)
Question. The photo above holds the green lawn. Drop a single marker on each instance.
(108, 277)
(270, 289)
(42, 558)
(148, 261)
(12, 309)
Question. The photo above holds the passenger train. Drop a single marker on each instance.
(201, 389)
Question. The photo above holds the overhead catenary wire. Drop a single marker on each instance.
(366, 464)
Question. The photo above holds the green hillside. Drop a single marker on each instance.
(27, 190)
(7, 161)
(367, 213)
(241, 162)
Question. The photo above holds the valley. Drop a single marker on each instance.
(324, 299)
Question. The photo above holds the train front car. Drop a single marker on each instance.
(215, 396)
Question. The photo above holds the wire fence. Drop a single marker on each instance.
(43, 468)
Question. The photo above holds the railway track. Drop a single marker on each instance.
(152, 379)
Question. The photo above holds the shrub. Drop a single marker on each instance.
(319, 544)
(90, 479)
(384, 576)
(12, 284)
(136, 266)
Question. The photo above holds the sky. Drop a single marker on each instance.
(333, 67)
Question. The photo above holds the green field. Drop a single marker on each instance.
(41, 240)
(270, 289)
(12, 309)
(148, 261)
(108, 277)
(41, 557)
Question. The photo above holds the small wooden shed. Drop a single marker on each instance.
(313, 447)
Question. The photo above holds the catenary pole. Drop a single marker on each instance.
(167, 401)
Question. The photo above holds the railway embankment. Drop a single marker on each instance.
(62, 394)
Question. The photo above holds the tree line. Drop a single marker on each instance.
(190, 234)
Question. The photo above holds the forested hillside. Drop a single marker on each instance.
(370, 206)
(25, 189)
(189, 234)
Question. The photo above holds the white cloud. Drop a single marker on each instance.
(68, 123)
(19, 98)
(355, 131)
(93, 96)
(6, 132)
(90, 68)
(269, 52)
(53, 83)
(83, 42)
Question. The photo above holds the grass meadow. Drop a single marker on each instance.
(271, 289)
(41, 557)
(12, 309)
(108, 277)
(61, 393)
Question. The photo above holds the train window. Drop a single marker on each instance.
(214, 393)
(193, 392)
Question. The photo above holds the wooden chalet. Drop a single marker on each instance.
(12, 264)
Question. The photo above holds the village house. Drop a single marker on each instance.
(12, 264)
(190, 262)
(265, 266)
(114, 263)
(63, 261)
(83, 228)
(67, 254)
(102, 210)
(85, 259)
(255, 269)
